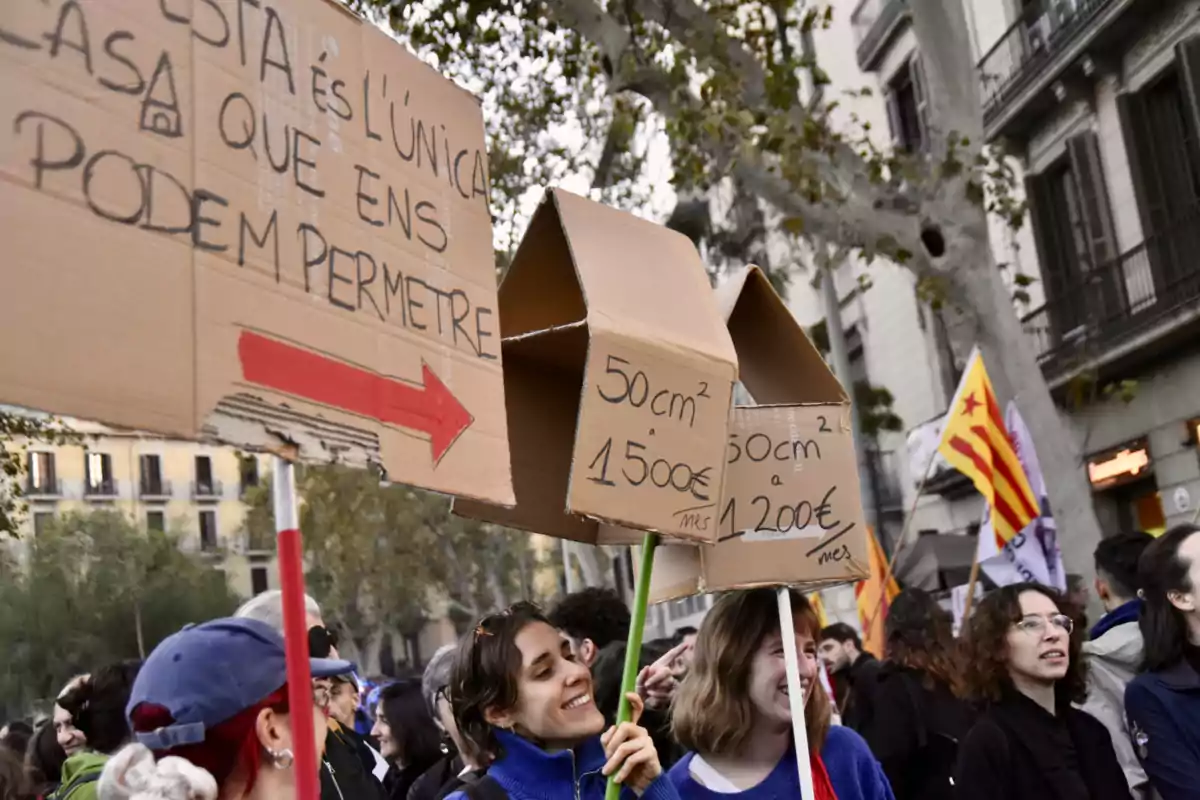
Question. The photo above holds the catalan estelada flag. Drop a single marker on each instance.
(875, 596)
(976, 442)
(818, 607)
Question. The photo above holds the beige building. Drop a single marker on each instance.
(158, 483)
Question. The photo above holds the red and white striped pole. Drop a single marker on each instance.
(295, 629)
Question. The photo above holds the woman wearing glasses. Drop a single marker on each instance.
(520, 695)
(1023, 666)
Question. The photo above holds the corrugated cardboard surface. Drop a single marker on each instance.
(791, 512)
(177, 175)
(623, 307)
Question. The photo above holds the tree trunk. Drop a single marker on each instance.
(592, 564)
(986, 315)
(141, 637)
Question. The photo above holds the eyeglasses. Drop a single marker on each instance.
(322, 694)
(321, 642)
(1037, 625)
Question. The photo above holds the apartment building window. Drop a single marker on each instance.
(1077, 249)
(1161, 125)
(258, 580)
(98, 475)
(249, 472)
(907, 108)
(41, 519)
(208, 530)
(150, 471)
(204, 485)
(156, 521)
(41, 473)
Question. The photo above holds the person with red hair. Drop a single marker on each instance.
(210, 718)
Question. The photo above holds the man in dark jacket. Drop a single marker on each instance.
(852, 671)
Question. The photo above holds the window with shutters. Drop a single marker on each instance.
(1161, 125)
(1077, 249)
(99, 475)
(907, 109)
(259, 582)
(208, 530)
(42, 477)
(150, 482)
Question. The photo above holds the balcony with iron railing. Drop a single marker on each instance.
(1021, 74)
(1129, 307)
(258, 542)
(876, 23)
(207, 490)
(44, 489)
(154, 490)
(100, 488)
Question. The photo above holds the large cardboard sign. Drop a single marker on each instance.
(791, 511)
(261, 221)
(619, 376)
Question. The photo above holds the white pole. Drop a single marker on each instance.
(295, 627)
(283, 486)
(795, 691)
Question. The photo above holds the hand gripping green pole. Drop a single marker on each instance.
(633, 649)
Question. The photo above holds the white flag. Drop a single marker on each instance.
(1033, 554)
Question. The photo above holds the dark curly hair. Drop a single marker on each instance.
(986, 645)
(97, 705)
(597, 614)
(486, 671)
(919, 634)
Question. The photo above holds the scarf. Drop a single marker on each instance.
(822, 787)
(1126, 612)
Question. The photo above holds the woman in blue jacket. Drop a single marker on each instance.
(521, 696)
(733, 712)
(1163, 703)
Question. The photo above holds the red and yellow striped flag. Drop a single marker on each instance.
(818, 607)
(976, 442)
(872, 608)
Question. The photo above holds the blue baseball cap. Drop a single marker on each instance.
(209, 673)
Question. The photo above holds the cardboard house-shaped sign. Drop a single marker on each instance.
(618, 378)
(791, 513)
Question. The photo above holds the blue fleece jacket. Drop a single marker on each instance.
(853, 771)
(528, 772)
(1163, 709)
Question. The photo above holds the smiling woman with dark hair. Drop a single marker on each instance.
(408, 737)
(1023, 665)
(520, 693)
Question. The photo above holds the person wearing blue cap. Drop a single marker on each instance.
(214, 697)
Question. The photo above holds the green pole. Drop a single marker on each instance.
(633, 649)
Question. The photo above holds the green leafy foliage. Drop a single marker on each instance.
(377, 555)
(17, 432)
(91, 589)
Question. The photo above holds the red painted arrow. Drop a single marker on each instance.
(430, 409)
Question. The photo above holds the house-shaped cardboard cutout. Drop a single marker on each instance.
(791, 513)
(618, 378)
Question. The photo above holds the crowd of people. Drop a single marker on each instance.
(1025, 703)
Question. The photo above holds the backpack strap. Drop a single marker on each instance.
(64, 792)
(486, 788)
